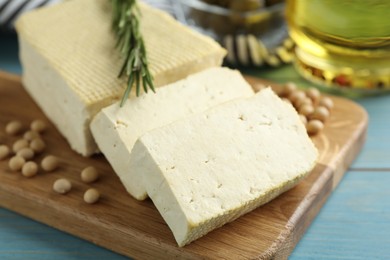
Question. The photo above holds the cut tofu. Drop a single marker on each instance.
(208, 169)
(116, 129)
(70, 64)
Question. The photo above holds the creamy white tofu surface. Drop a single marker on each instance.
(210, 168)
(70, 64)
(116, 129)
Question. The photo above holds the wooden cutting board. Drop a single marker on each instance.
(133, 228)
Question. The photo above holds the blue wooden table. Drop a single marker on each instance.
(353, 224)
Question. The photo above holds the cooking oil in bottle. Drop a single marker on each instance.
(342, 45)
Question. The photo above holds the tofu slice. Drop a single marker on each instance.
(116, 129)
(70, 64)
(208, 169)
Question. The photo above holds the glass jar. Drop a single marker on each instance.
(251, 30)
(342, 45)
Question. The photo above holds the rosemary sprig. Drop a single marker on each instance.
(126, 26)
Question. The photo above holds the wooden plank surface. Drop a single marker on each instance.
(136, 229)
(355, 222)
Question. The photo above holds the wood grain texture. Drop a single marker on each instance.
(136, 229)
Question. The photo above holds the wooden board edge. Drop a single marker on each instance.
(302, 219)
(352, 148)
(9, 76)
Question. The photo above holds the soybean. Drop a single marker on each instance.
(30, 169)
(306, 110)
(326, 102)
(38, 126)
(314, 94)
(91, 196)
(89, 174)
(27, 153)
(302, 102)
(289, 88)
(14, 127)
(19, 144)
(296, 96)
(50, 163)
(16, 163)
(321, 113)
(314, 126)
(4, 151)
(38, 145)
(31, 135)
(62, 186)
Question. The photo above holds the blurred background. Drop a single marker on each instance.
(339, 46)
(254, 32)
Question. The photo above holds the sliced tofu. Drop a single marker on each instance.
(210, 168)
(70, 64)
(116, 129)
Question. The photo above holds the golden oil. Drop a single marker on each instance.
(342, 44)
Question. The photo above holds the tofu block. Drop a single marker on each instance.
(116, 129)
(210, 168)
(70, 64)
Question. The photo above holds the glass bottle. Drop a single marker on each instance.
(342, 45)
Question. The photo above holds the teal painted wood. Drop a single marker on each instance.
(23, 238)
(376, 152)
(9, 53)
(353, 224)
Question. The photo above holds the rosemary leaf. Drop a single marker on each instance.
(128, 89)
(130, 44)
(137, 84)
